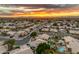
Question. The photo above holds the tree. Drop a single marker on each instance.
(70, 50)
(33, 34)
(39, 30)
(10, 43)
(42, 47)
(77, 52)
(55, 24)
(56, 39)
(50, 42)
(49, 51)
(67, 30)
(4, 33)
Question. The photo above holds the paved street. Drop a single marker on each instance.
(27, 38)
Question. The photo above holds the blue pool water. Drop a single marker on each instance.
(61, 49)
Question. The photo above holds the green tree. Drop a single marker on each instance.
(50, 51)
(4, 33)
(10, 43)
(67, 30)
(33, 34)
(55, 24)
(51, 42)
(56, 39)
(42, 47)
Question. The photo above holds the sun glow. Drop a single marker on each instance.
(44, 14)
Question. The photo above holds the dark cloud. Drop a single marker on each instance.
(11, 9)
(41, 5)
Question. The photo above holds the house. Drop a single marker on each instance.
(9, 25)
(24, 49)
(22, 33)
(74, 31)
(54, 30)
(27, 30)
(72, 43)
(45, 29)
(11, 33)
(36, 42)
(43, 36)
(3, 48)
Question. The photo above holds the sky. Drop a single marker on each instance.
(38, 10)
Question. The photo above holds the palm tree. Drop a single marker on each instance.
(10, 43)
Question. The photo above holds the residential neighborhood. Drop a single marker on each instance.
(39, 28)
(39, 37)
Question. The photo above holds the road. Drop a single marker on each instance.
(27, 38)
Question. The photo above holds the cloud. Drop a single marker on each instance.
(38, 9)
(18, 9)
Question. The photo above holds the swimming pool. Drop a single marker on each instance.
(61, 49)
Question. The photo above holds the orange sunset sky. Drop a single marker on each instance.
(38, 10)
